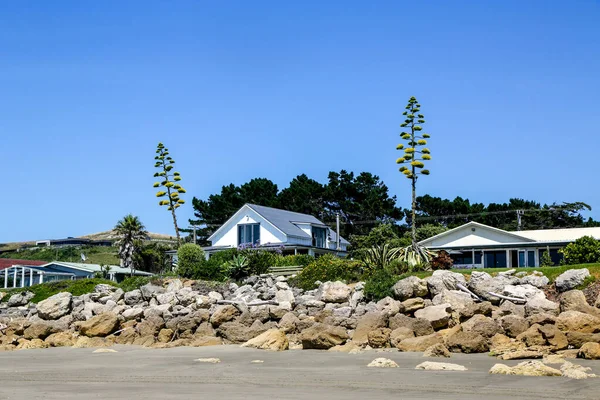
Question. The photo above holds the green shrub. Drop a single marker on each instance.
(190, 258)
(215, 268)
(328, 268)
(294, 260)
(546, 260)
(582, 251)
(135, 282)
(259, 261)
(379, 285)
(237, 268)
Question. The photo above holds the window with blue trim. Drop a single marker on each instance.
(249, 234)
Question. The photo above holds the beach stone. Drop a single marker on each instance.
(399, 334)
(482, 325)
(224, 313)
(439, 366)
(574, 371)
(513, 325)
(382, 363)
(574, 300)
(367, 323)
(379, 337)
(467, 342)
(412, 305)
(527, 368)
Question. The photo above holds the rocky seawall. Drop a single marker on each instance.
(508, 315)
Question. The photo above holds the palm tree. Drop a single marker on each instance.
(129, 229)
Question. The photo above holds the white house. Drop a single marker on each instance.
(475, 245)
(272, 228)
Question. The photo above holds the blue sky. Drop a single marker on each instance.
(241, 89)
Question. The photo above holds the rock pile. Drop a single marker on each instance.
(440, 314)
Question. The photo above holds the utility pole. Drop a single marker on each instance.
(337, 224)
(519, 214)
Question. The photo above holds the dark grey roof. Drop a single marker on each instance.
(284, 221)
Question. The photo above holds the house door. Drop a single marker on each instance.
(526, 258)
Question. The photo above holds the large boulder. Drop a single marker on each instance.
(55, 306)
(273, 339)
(224, 313)
(420, 343)
(321, 336)
(149, 291)
(288, 322)
(578, 339)
(379, 337)
(38, 330)
(467, 342)
(410, 287)
(133, 297)
(482, 284)
(367, 323)
(438, 316)
(482, 325)
(514, 325)
(100, 325)
(412, 305)
(574, 300)
(419, 326)
(554, 337)
(575, 321)
(334, 292)
(442, 279)
(540, 305)
(60, 339)
(532, 336)
(399, 334)
(536, 279)
(457, 299)
(523, 291)
(389, 306)
(20, 299)
(570, 279)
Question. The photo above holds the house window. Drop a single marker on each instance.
(249, 234)
(319, 237)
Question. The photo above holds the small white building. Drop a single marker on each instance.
(475, 245)
(254, 226)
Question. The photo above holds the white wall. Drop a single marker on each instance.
(467, 237)
(228, 236)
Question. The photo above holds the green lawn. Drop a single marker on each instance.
(94, 254)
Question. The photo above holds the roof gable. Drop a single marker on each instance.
(474, 234)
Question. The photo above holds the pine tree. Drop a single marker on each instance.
(172, 189)
(415, 154)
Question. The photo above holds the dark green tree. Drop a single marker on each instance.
(303, 195)
(169, 184)
(414, 154)
(362, 201)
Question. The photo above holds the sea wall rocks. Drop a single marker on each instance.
(267, 312)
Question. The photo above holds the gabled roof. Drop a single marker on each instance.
(9, 262)
(517, 238)
(285, 221)
(560, 235)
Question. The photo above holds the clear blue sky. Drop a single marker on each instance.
(241, 89)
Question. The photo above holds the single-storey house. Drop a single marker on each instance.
(475, 245)
(254, 226)
(28, 275)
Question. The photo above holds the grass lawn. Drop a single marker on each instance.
(95, 255)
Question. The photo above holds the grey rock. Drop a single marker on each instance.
(535, 280)
(539, 305)
(410, 287)
(525, 291)
(442, 279)
(571, 279)
(133, 297)
(55, 306)
(20, 299)
(334, 292)
(133, 313)
(457, 299)
(150, 291)
(438, 316)
(175, 285)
